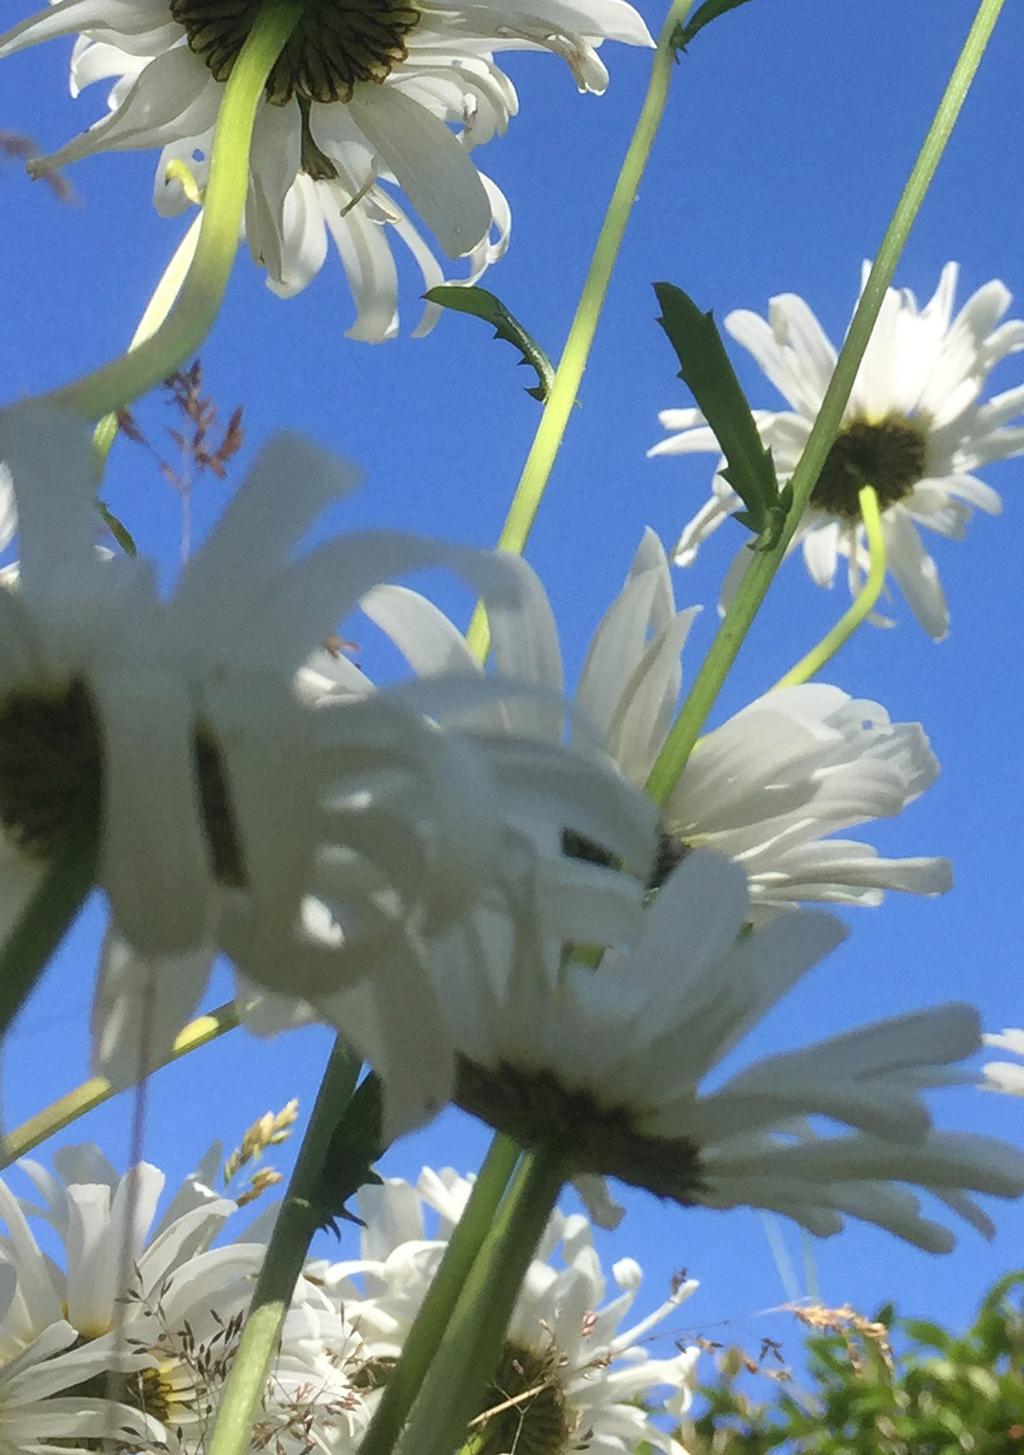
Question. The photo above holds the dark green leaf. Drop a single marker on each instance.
(702, 16)
(707, 372)
(356, 1144)
(482, 304)
(118, 530)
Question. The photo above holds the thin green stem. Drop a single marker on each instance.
(763, 565)
(296, 1223)
(58, 896)
(159, 306)
(457, 1379)
(94, 1092)
(468, 1236)
(811, 664)
(180, 335)
(558, 406)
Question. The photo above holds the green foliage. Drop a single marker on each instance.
(702, 16)
(706, 371)
(356, 1143)
(938, 1393)
(481, 304)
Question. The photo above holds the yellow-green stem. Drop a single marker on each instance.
(159, 306)
(456, 1381)
(435, 1312)
(811, 664)
(97, 1090)
(763, 564)
(180, 335)
(286, 1252)
(558, 406)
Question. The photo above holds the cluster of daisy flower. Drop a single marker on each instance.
(461, 871)
(124, 1341)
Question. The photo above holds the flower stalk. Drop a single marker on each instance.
(108, 389)
(296, 1223)
(764, 563)
(559, 404)
(456, 1381)
(428, 1329)
(812, 662)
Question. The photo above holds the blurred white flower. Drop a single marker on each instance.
(568, 1371)
(915, 428)
(360, 97)
(221, 792)
(766, 788)
(1005, 1076)
(609, 1064)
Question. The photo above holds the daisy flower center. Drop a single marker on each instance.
(890, 454)
(51, 767)
(533, 1108)
(525, 1407)
(335, 45)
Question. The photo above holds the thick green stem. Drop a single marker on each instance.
(286, 1252)
(428, 1329)
(58, 896)
(763, 564)
(559, 403)
(812, 662)
(180, 335)
(457, 1379)
(94, 1092)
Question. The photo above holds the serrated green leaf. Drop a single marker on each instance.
(355, 1145)
(118, 530)
(481, 304)
(706, 371)
(702, 16)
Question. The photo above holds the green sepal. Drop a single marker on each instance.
(356, 1143)
(702, 16)
(481, 304)
(706, 371)
(118, 530)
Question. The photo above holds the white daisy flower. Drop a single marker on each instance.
(915, 428)
(766, 788)
(358, 99)
(1005, 1076)
(608, 1064)
(216, 785)
(153, 1316)
(568, 1372)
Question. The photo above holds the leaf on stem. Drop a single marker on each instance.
(355, 1145)
(702, 16)
(706, 371)
(482, 304)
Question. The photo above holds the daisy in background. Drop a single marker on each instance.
(1005, 1076)
(915, 428)
(769, 788)
(364, 98)
(569, 1375)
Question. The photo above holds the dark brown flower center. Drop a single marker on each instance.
(890, 454)
(525, 1408)
(335, 45)
(51, 771)
(533, 1108)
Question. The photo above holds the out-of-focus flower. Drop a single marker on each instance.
(767, 788)
(360, 100)
(915, 428)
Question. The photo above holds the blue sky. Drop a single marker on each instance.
(790, 128)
